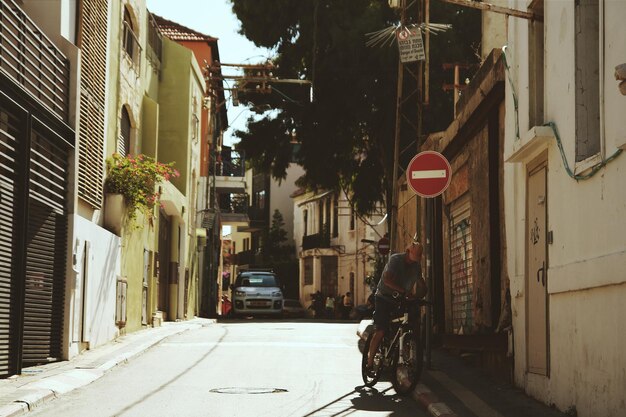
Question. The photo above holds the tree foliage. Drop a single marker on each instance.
(274, 248)
(346, 133)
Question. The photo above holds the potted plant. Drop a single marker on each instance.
(132, 180)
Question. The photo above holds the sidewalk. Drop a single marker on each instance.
(451, 387)
(21, 393)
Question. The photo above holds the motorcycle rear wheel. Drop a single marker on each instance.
(371, 378)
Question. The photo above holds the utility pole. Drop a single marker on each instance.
(408, 116)
(257, 78)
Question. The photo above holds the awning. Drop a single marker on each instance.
(315, 197)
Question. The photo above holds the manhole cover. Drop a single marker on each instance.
(243, 390)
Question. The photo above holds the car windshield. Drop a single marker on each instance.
(257, 280)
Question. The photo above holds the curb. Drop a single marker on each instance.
(34, 394)
(427, 399)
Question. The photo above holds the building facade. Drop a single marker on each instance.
(565, 200)
(336, 248)
(106, 81)
(38, 76)
(463, 228)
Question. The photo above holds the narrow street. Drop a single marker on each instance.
(170, 169)
(241, 368)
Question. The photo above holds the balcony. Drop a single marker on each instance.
(318, 240)
(234, 209)
(229, 172)
(248, 257)
(258, 220)
(31, 60)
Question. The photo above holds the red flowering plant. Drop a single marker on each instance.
(136, 178)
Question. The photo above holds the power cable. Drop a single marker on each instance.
(593, 170)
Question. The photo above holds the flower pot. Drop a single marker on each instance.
(114, 212)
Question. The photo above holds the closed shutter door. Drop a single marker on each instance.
(461, 266)
(8, 166)
(45, 253)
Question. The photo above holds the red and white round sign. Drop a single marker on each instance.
(383, 246)
(429, 174)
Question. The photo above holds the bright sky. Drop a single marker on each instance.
(215, 18)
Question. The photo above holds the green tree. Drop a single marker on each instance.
(274, 247)
(346, 132)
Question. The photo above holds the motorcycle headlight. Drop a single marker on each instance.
(240, 293)
(277, 294)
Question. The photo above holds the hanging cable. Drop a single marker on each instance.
(569, 171)
(593, 170)
(515, 105)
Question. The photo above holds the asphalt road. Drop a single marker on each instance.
(248, 368)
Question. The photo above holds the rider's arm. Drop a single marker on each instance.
(418, 290)
(389, 280)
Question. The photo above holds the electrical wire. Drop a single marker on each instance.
(593, 170)
(515, 104)
(286, 96)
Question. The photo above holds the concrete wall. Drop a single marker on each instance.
(586, 278)
(494, 29)
(97, 258)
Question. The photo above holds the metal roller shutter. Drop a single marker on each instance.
(8, 166)
(46, 248)
(461, 266)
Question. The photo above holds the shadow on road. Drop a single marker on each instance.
(367, 399)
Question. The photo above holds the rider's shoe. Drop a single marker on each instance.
(371, 370)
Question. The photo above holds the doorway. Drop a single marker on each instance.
(163, 281)
(537, 333)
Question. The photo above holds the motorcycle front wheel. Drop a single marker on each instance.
(406, 372)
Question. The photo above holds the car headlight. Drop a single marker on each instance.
(277, 294)
(240, 293)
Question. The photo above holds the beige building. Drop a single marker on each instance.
(565, 203)
(336, 248)
(117, 86)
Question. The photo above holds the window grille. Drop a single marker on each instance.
(130, 41)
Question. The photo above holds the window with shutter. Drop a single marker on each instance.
(93, 45)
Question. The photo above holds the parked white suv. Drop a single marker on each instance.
(257, 293)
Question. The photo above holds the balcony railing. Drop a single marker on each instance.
(259, 215)
(318, 240)
(230, 164)
(154, 51)
(131, 45)
(32, 60)
(248, 257)
(233, 203)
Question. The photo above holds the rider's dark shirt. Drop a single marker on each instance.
(404, 274)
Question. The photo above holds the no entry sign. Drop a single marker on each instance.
(429, 174)
(383, 246)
